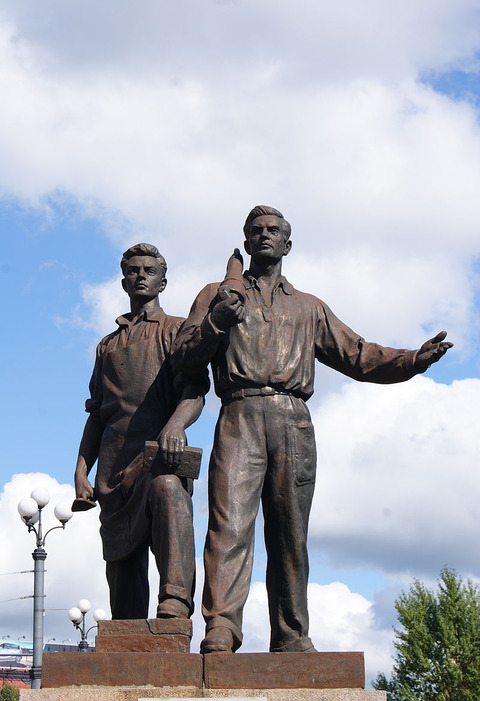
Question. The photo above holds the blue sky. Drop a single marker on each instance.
(124, 123)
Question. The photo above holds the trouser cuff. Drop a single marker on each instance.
(293, 645)
(170, 591)
(222, 622)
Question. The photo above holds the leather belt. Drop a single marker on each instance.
(250, 392)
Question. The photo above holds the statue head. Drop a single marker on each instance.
(261, 210)
(267, 235)
(144, 269)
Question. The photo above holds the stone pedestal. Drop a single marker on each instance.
(284, 670)
(150, 659)
(144, 635)
(275, 670)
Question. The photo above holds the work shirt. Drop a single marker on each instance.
(133, 393)
(276, 346)
(133, 388)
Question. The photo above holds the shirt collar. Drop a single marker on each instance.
(286, 286)
(155, 315)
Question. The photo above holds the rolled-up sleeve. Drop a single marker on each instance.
(93, 404)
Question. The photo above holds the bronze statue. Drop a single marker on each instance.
(136, 397)
(262, 340)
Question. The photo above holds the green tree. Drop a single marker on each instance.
(438, 647)
(9, 693)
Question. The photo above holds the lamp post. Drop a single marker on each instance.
(77, 616)
(30, 509)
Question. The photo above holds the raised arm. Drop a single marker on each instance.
(209, 319)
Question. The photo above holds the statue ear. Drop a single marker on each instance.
(124, 284)
(163, 285)
(246, 245)
(288, 247)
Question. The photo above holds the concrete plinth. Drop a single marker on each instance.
(96, 693)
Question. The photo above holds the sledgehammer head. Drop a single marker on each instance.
(81, 504)
(233, 281)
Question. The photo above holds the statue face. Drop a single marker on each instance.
(144, 278)
(266, 241)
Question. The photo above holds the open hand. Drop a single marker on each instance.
(431, 351)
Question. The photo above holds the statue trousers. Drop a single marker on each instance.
(264, 449)
(168, 509)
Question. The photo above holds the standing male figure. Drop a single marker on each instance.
(262, 344)
(135, 397)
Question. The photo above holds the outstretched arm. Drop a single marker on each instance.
(342, 349)
(431, 351)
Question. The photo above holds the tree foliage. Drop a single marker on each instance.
(9, 693)
(438, 646)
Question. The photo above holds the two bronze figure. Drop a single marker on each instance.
(261, 338)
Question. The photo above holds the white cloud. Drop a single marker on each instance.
(306, 38)
(397, 478)
(379, 179)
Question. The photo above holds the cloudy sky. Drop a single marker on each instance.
(166, 122)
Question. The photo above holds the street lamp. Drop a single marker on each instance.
(77, 616)
(30, 510)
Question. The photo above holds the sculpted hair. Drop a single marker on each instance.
(259, 211)
(143, 249)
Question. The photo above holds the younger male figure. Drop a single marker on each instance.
(262, 342)
(135, 397)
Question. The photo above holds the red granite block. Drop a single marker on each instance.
(142, 643)
(285, 670)
(121, 669)
(146, 626)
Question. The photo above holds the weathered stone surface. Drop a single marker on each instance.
(285, 670)
(142, 643)
(133, 694)
(142, 626)
(122, 669)
(300, 694)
